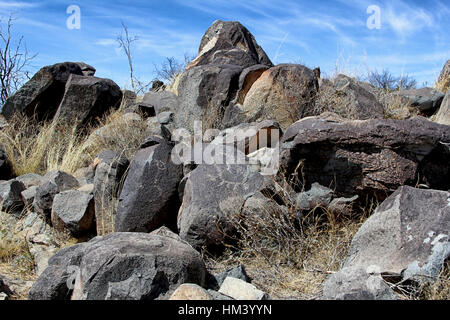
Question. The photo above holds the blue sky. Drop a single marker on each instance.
(413, 39)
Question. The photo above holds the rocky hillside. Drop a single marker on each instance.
(240, 180)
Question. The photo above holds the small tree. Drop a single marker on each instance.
(385, 80)
(170, 68)
(14, 61)
(125, 42)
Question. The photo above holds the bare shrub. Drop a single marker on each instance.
(14, 61)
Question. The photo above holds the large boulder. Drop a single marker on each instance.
(110, 170)
(75, 211)
(42, 95)
(443, 115)
(86, 98)
(213, 193)
(229, 42)
(407, 236)
(149, 198)
(367, 157)
(426, 100)
(204, 93)
(120, 266)
(284, 93)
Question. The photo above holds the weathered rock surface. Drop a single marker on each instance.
(42, 95)
(443, 82)
(354, 100)
(31, 180)
(204, 92)
(149, 198)
(443, 115)
(189, 291)
(6, 170)
(241, 290)
(109, 173)
(28, 195)
(250, 137)
(317, 196)
(74, 210)
(236, 272)
(285, 93)
(120, 266)
(212, 193)
(357, 283)
(56, 182)
(145, 109)
(229, 42)
(424, 99)
(372, 156)
(407, 235)
(86, 98)
(10, 198)
(87, 70)
(162, 101)
(128, 99)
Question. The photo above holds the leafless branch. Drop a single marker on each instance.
(14, 61)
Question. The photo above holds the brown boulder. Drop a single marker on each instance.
(284, 93)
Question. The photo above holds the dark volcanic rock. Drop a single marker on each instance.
(86, 98)
(10, 196)
(372, 156)
(6, 170)
(424, 99)
(74, 210)
(120, 266)
(55, 182)
(204, 93)
(42, 95)
(229, 42)
(408, 235)
(149, 198)
(211, 194)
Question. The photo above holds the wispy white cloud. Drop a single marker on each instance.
(17, 5)
(406, 20)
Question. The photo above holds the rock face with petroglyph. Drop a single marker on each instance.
(149, 198)
(212, 193)
(120, 266)
(407, 238)
(368, 157)
(229, 43)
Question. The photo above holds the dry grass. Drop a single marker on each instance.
(290, 253)
(440, 290)
(39, 147)
(330, 100)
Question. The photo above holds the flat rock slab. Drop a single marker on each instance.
(407, 236)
